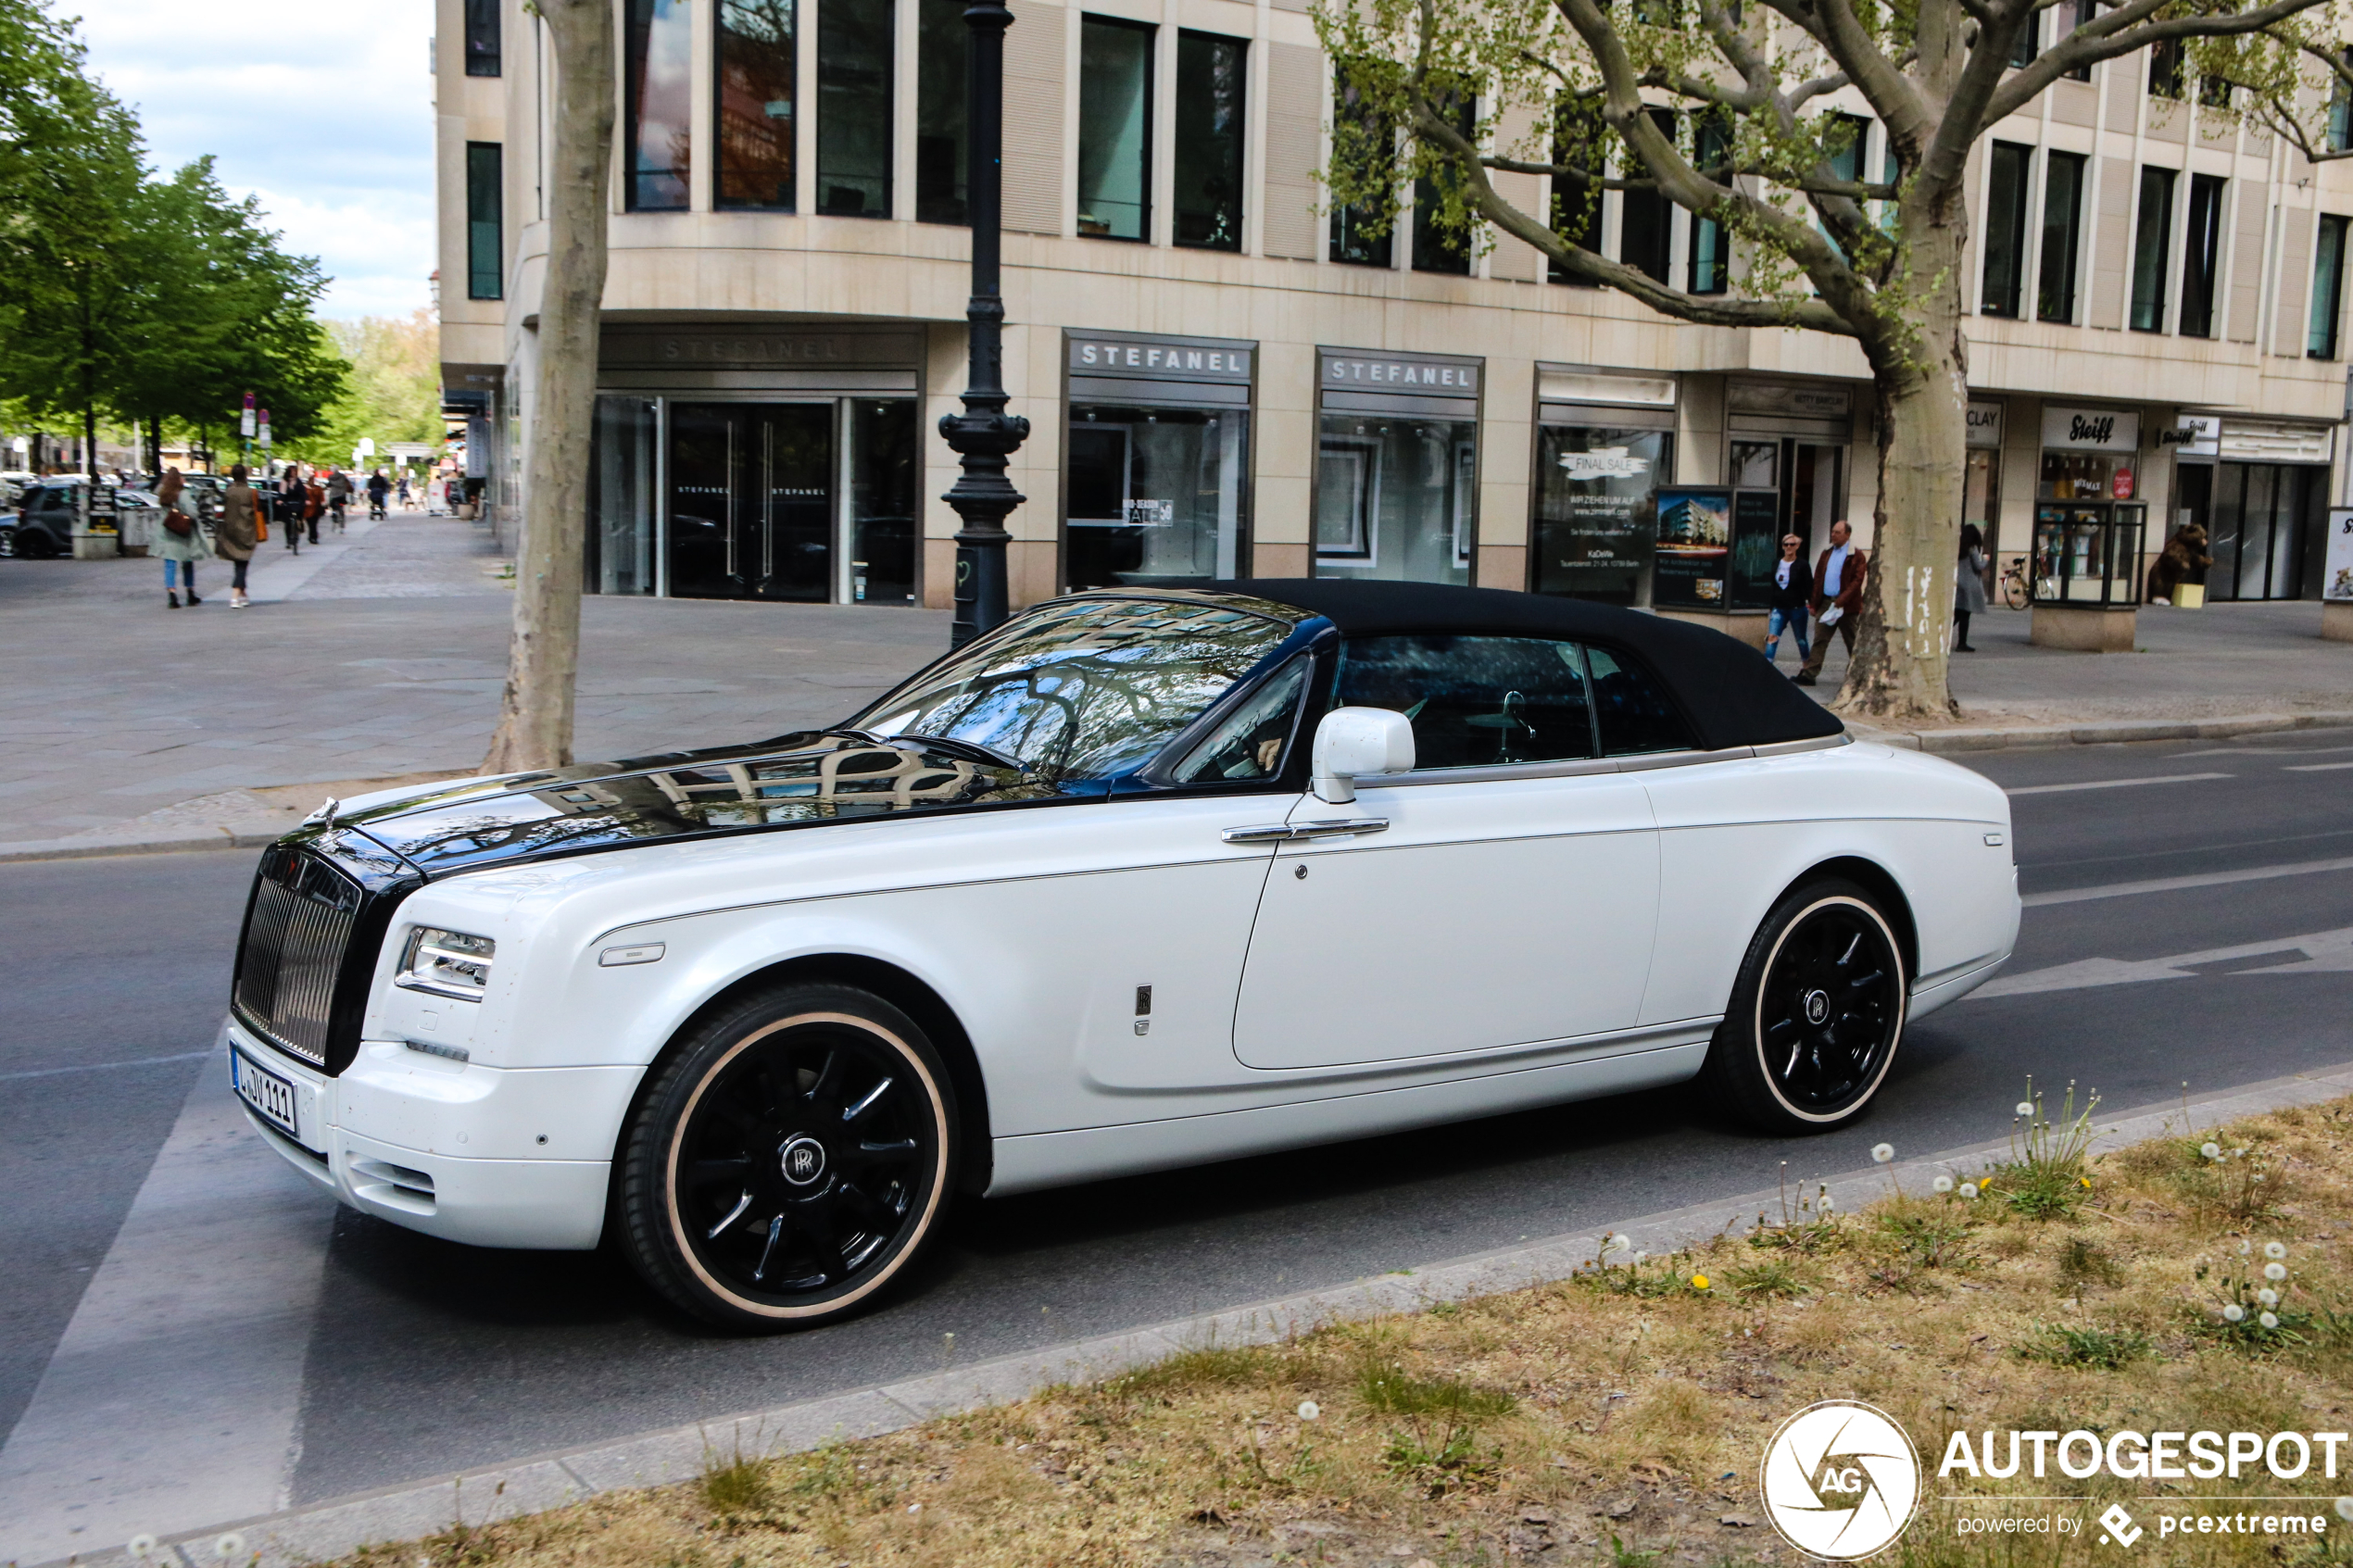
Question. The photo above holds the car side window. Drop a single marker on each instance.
(1475, 702)
(1633, 710)
(1251, 741)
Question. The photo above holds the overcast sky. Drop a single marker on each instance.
(322, 107)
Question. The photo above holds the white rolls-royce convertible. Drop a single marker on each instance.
(1141, 879)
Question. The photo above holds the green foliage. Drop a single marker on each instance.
(738, 1483)
(1768, 1278)
(2047, 1177)
(392, 391)
(2103, 1349)
(1437, 1445)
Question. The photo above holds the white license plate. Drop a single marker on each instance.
(269, 1094)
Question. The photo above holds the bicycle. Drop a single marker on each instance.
(2018, 589)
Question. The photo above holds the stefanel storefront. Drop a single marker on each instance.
(1156, 491)
(774, 461)
(1604, 443)
(1397, 465)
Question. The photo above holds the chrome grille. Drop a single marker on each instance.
(295, 942)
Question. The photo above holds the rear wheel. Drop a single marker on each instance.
(791, 1158)
(30, 543)
(1816, 1014)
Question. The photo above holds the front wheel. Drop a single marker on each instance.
(1816, 1014)
(790, 1158)
(2014, 592)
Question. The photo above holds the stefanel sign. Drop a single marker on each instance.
(2091, 429)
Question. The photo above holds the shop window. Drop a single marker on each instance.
(2151, 246)
(884, 469)
(621, 498)
(482, 37)
(2202, 259)
(1353, 240)
(854, 107)
(1643, 217)
(660, 50)
(1210, 86)
(1437, 248)
(1396, 498)
(1115, 129)
(2063, 226)
(2005, 275)
(1156, 495)
(1597, 508)
(1710, 259)
(486, 221)
(942, 160)
(756, 81)
(2165, 69)
(1475, 702)
(1576, 207)
(2328, 288)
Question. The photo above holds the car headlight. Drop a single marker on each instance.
(447, 963)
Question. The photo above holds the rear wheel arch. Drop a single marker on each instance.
(1876, 880)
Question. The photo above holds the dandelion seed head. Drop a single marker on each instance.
(1309, 1410)
(2345, 1509)
(1883, 1153)
(2269, 1320)
(2234, 1312)
(229, 1547)
(1943, 1184)
(2275, 1271)
(2268, 1296)
(141, 1545)
(2274, 1249)
(2211, 1151)
(1969, 1190)
(2026, 1108)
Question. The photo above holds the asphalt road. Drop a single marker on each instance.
(423, 1356)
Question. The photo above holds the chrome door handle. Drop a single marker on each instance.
(1291, 832)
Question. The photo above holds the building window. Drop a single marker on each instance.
(1355, 122)
(2151, 250)
(1845, 136)
(2084, 11)
(2005, 230)
(660, 54)
(755, 105)
(1209, 139)
(2328, 287)
(1710, 258)
(2062, 223)
(1577, 208)
(2030, 40)
(942, 160)
(1437, 249)
(482, 37)
(853, 108)
(2340, 128)
(1643, 217)
(1115, 129)
(2202, 272)
(2165, 69)
(486, 221)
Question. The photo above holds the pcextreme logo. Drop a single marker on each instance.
(1840, 1480)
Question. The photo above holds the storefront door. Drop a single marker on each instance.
(750, 488)
(2265, 518)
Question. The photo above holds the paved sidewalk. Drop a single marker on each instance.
(379, 655)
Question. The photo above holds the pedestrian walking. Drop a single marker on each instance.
(338, 494)
(404, 492)
(240, 528)
(1792, 588)
(378, 488)
(314, 504)
(182, 541)
(1969, 585)
(1839, 576)
(291, 500)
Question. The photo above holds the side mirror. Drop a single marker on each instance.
(1359, 740)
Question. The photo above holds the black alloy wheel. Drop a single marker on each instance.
(1816, 1014)
(27, 543)
(791, 1155)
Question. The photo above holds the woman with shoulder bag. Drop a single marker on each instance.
(1969, 585)
(181, 542)
(239, 529)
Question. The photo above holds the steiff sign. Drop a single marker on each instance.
(1158, 358)
(2096, 430)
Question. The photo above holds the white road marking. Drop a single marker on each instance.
(171, 1400)
(2113, 784)
(2314, 767)
(2177, 884)
(2322, 952)
(99, 1066)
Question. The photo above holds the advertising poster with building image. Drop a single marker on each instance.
(1693, 549)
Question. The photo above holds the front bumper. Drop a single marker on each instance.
(487, 1156)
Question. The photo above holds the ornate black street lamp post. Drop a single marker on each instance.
(984, 434)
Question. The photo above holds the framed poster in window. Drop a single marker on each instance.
(1693, 547)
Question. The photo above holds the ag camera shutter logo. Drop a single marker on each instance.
(1840, 1480)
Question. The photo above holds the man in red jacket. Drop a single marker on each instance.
(1838, 598)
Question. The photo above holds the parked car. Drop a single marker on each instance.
(43, 523)
(1140, 879)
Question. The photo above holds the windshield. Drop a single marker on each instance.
(1083, 689)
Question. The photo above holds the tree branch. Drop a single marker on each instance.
(2123, 31)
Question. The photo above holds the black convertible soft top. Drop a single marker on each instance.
(1728, 690)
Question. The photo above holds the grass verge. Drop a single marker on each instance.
(1618, 1417)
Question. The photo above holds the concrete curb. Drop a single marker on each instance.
(176, 844)
(2099, 734)
(528, 1485)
